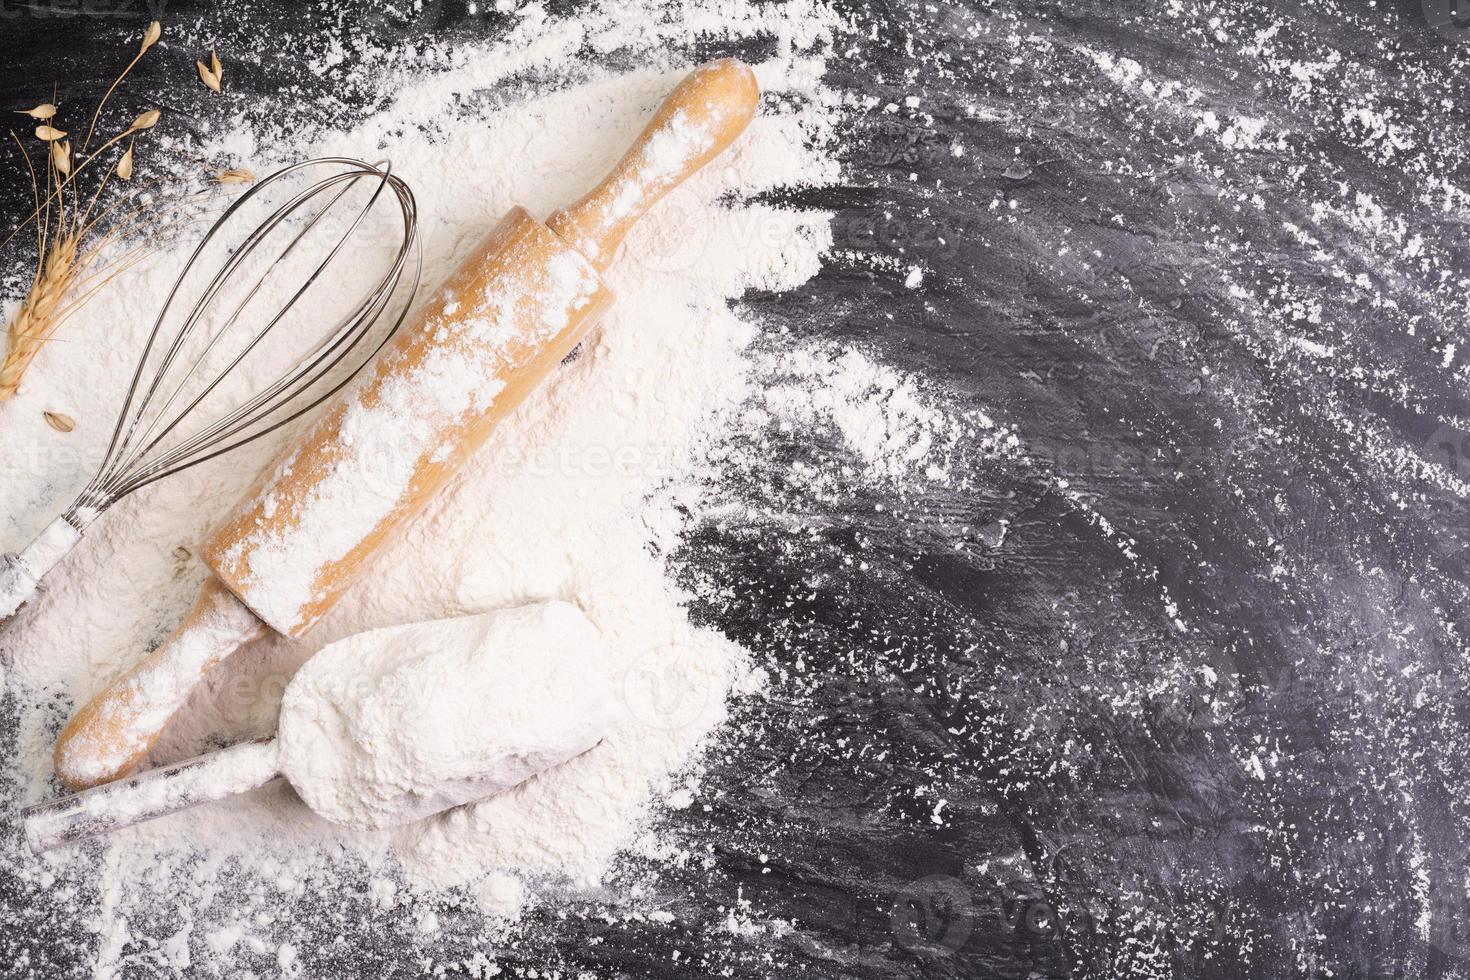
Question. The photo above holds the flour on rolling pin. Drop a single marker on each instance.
(160, 684)
(396, 426)
(683, 135)
(665, 156)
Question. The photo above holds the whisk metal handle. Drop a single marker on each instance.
(21, 573)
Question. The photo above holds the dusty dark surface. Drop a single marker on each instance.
(1192, 686)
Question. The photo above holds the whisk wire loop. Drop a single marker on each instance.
(230, 268)
(152, 440)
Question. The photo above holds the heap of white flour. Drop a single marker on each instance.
(394, 724)
(576, 498)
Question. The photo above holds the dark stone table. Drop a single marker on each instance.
(1192, 687)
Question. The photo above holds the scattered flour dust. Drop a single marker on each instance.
(567, 501)
(881, 415)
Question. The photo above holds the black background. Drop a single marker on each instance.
(1104, 816)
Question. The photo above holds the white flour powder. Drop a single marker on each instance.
(158, 689)
(575, 497)
(391, 725)
(393, 428)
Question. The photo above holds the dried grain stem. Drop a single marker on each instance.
(66, 247)
(37, 316)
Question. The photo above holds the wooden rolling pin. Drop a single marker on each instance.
(512, 311)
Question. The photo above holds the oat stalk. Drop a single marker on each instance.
(37, 319)
(69, 244)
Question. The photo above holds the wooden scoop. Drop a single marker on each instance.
(379, 453)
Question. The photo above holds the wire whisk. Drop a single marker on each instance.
(239, 348)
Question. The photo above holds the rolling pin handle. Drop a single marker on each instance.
(111, 736)
(701, 117)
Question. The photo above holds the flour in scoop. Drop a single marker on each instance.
(394, 724)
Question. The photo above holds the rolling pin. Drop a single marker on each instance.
(519, 304)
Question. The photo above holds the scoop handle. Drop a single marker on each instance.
(701, 116)
(111, 736)
(156, 793)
